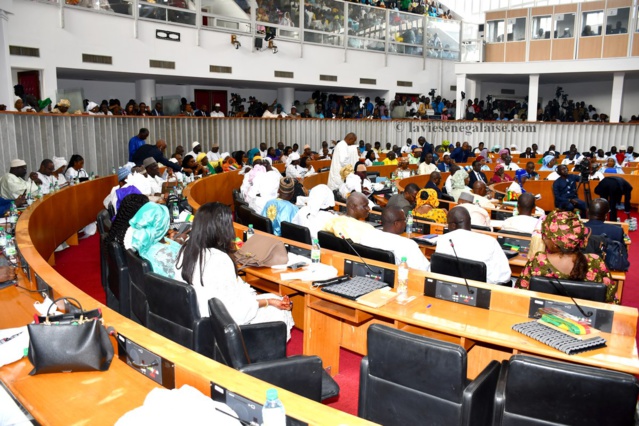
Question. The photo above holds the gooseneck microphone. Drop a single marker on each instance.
(360, 257)
(470, 290)
(562, 291)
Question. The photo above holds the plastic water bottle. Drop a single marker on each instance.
(51, 188)
(56, 186)
(250, 232)
(175, 212)
(316, 253)
(10, 249)
(273, 413)
(402, 281)
(114, 171)
(3, 238)
(409, 223)
(13, 214)
(92, 176)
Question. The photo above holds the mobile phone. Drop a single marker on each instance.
(298, 265)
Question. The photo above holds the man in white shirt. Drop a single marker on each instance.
(45, 175)
(406, 149)
(14, 187)
(427, 167)
(480, 191)
(293, 168)
(479, 216)
(448, 185)
(509, 166)
(341, 157)
(524, 221)
(196, 148)
(474, 246)
(153, 175)
(216, 111)
(393, 225)
(214, 154)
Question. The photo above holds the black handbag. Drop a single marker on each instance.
(69, 342)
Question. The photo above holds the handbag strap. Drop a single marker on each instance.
(77, 303)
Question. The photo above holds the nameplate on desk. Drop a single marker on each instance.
(147, 363)
(298, 250)
(458, 293)
(601, 319)
(359, 269)
(248, 411)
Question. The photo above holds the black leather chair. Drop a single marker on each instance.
(330, 242)
(174, 313)
(537, 391)
(448, 265)
(408, 379)
(295, 232)
(104, 225)
(243, 214)
(374, 253)
(104, 221)
(117, 290)
(260, 351)
(481, 228)
(261, 223)
(138, 268)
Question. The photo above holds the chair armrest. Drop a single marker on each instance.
(203, 338)
(362, 409)
(479, 396)
(500, 394)
(265, 341)
(298, 374)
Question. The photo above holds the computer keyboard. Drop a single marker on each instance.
(354, 288)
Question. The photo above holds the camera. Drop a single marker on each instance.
(584, 170)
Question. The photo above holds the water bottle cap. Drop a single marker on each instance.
(403, 258)
(271, 394)
(251, 226)
(315, 241)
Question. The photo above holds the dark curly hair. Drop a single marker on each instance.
(129, 207)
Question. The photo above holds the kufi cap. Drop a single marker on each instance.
(466, 196)
(513, 146)
(216, 145)
(91, 105)
(287, 185)
(217, 105)
(148, 161)
(123, 173)
(196, 143)
(622, 148)
(64, 103)
(18, 163)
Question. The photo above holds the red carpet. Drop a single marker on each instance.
(81, 265)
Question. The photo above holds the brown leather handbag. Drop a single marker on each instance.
(261, 250)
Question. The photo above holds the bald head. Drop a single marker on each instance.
(479, 188)
(350, 138)
(526, 204)
(599, 208)
(435, 177)
(393, 220)
(161, 145)
(357, 206)
(458, 218)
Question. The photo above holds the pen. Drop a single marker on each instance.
(6, 339)
(429, 305)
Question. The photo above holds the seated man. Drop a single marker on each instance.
(613, 188)
(479, 215)
(524, 221)
(433, 183)
(565, 191)
(509, 165)
(597, 213)
(480, 191)
(405, 200)
(352, 225)
(393, 225)
(153, 175)
(427, 167)
(402, 171)
(281, 209)
(361, 172)
(45, 176)
(466, 245)
(476, 174)
(13, 187)
(293, 168)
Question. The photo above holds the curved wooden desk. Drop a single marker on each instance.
(103, 397)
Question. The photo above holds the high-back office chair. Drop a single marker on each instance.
(259, 350)
(481, 228)
(117, 290)
(138, 268)
(380, 255)
(448, 265)
(237, 200)
(295, 232)
(261, 223)
(104, 221)
(174, 313)
(537, 391)
(408, 379)
(329, 241)
(243, 214)
(104, 225)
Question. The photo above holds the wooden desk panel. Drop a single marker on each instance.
(539, 50)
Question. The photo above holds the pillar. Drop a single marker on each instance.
(617, 96)
(461, 87)
(145, 90)
(474, 90)
(286, 97)
(533, 96)
(6, 85)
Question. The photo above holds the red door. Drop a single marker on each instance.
(30, 80)
(210, 98)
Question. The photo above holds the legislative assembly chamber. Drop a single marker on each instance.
(319, 212)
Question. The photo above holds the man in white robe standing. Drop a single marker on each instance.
(342, 156)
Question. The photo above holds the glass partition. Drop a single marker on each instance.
(541, 26)
(406, 29)
(564, 25)
(442, 38)
(178, 11)
(516, 29)
(237, 9)
(591, 23)
(122, 7)
(366, 21)
(617, 21)
(324, 15)
(74, 96)
(170, 104)
(495, 31)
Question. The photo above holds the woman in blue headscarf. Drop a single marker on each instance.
(147, 236)
(548, 163)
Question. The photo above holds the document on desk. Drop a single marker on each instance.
(378, 298)
(312, 272)
(14, 343)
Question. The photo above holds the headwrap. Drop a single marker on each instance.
(547, 160)
(149, 225)
(346, 170)
(59, 162)
(256, 170)
(519, 174)
(503, 151)
(565, 230)
(91, 105)
(459, 178)
(427, 196)
(257, 157)
(498, 166)
(287, 185)
(64, 103)
(445, 143)
(481, 157)
(496, 148)
(200, 156)
(293, 157)
(123, 173)
(321, 197)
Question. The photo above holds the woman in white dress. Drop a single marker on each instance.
(76, 168)
(317, 211)
(205, 263)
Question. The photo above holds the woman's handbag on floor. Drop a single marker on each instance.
(69, 342)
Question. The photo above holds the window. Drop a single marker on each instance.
(617, 21)
(495, 31)
(541, 26)
(591, 23)
(564, 25)
(516, 29)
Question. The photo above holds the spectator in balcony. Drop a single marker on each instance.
(157, 111)
(20, 107)
(62, 107)
(216, 111)
(203, 111)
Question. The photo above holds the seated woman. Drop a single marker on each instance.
(548, 163)
(426, 206)
(188, 162)
(59, 164)
(564, 236)
(484, 166)
(130, 205)
(75, 168)
(229, 164)
(459, 182)
(612, 167)
(204, 161)
(317, 211)
(499, 175)
(205, 263)
(147, 234)
(270, 153)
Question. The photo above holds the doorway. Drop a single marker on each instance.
(30, 81)
(210, 98)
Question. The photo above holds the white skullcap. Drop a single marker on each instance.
(91, 105)
(320, 197)
(59, 162)
(196, 143)
(293, 157)
(622, 148)
(18, 163)
(513, 146)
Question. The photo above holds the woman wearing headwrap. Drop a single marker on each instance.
(270, 153)
(293, 168)
(229, 164)
(317, 211)
(264, 189)
(147, 236)
(612, 166)
(426, 206)
(207, 168)
(249, 179)
(482, 161)
(459, 183)
(564, 235)
(503, 153)
(548, 163)
(59, 164)
(499, 175)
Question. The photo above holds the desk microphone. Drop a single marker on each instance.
(562, 291)
(470, 290)
(360, 257)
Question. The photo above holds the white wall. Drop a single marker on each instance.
(96, 91)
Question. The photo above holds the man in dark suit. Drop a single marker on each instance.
(433, 183)
(476, 174)
(157, 111)
(156, 152)
(612, 188)
(597, 215)
(405, 200)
